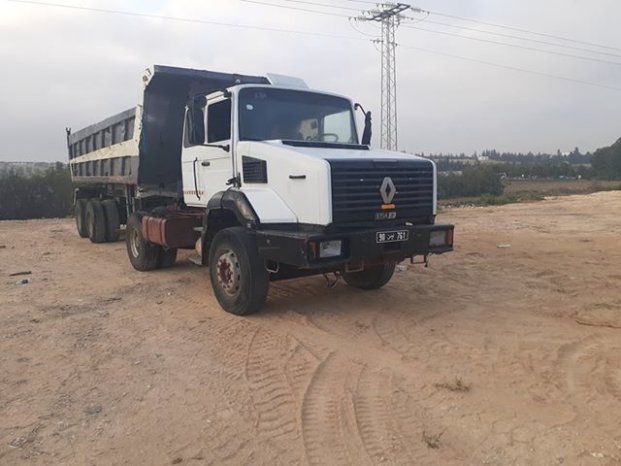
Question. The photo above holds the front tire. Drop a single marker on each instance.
(95, 221)
(237, 272)
(370, 279)
(144, 256)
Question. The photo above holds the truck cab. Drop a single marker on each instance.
(272, 182)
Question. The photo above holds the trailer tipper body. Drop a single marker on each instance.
(264, 177)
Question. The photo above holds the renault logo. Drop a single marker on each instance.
(387, 190)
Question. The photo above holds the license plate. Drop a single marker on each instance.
(392, 236)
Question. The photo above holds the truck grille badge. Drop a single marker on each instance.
(387, 190)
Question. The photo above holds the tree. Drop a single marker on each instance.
(607, 162)
(41, 196)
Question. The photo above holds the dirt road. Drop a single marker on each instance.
(494, 355)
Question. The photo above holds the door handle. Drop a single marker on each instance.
(205, 163)
(195, 182)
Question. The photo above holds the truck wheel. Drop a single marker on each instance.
(167, 258)
(113, 221)
(370, 279)
(95, 221)
(80, 217)
(144, 256)
(238, 275)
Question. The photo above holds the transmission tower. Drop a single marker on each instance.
(389, 16)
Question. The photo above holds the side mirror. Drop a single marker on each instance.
(367, 133)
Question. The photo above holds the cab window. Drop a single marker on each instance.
(219, 121)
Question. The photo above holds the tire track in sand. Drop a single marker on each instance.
(591, 371)
(329, 425)
(272, 397)
(591, 367)
(377, 420)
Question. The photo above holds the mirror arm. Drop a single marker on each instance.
(366, 135)
(224, 147)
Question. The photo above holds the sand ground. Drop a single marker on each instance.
(493, 355)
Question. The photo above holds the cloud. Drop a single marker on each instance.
(64, 67)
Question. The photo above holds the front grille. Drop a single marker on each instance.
(356, 186)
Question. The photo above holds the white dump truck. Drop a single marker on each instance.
(264, 177)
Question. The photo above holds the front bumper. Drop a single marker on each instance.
(359, 246)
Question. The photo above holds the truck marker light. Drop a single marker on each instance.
(388, 206)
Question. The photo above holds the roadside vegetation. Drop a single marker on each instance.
(498, 179)
(492, 179)
(44, 195)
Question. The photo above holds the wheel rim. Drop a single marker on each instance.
(134, 242)
(228, 273)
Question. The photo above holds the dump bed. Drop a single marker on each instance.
(142, 145)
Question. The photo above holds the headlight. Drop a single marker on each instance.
(332, 248)
(438, 238)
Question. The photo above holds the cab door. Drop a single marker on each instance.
(208, 166)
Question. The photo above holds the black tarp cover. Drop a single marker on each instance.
(165, 98)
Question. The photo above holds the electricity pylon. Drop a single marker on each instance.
(389, 16)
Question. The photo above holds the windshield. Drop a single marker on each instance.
(286, 114)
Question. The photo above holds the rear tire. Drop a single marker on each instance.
(370, 279)
(80, 217)
(95, 221)
(113, 221)
(237, 272)
(143, 256)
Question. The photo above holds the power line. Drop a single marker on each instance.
(308, 10)
(187, 20)
(513, 28)
(307, 33)
(512, 68)
(306, 2)
(510, 36)
(524, 47)
(352, 22)
(363, 1)
(418, 20)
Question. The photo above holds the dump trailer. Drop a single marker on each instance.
(265, 178)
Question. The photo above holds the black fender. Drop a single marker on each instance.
(232, 201)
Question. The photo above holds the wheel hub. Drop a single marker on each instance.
(228, 273)
(134, 242)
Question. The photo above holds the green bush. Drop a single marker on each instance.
(607, 162)
(42, 196)
(472, 182)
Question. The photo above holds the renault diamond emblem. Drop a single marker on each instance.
(387, 190)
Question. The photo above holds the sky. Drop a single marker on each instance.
(66, 67)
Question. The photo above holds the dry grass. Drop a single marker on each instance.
(558, 187)
(533, 190)
(432, 440)
(457, 385)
